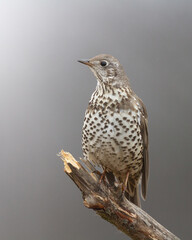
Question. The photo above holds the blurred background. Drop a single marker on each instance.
(44, 93)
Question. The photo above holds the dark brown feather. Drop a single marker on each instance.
(144, 133)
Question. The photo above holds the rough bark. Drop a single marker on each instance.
(107, 201)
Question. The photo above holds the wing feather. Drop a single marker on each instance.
(144, 133)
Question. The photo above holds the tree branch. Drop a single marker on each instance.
(108, 202)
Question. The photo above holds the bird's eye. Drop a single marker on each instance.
(103, 63)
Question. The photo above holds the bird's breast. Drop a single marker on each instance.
(111, 134)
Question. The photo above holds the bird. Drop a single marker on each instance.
(115, 128)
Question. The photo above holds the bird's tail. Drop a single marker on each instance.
(132, 194)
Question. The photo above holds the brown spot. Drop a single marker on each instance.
(125, 216)
(112, 105)
(93, 205)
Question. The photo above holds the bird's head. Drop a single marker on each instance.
(107, 70)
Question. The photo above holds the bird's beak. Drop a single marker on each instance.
(86, 62)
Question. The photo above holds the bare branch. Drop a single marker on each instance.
(109, 203)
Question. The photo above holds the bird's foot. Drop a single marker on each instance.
(102, 178)
(101, 175)
(97, 172)
(124, 185)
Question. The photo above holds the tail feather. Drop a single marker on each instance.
(134, 198)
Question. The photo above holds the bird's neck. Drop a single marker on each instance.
(108, 93)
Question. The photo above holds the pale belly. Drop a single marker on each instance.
(113, 141)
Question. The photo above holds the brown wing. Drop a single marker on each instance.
(144, 133)
(127, 104)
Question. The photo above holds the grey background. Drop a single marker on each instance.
(44, 93)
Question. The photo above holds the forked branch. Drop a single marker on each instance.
(107, 201)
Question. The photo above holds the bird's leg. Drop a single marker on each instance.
(124, 186)
(97, 172)
(103, 176)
